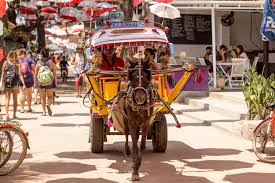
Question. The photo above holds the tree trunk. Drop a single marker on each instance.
(127, 7)
(40, 34)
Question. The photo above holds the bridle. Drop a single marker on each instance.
(150, 94)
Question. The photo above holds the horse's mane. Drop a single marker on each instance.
(145, 66)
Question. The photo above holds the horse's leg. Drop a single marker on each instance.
(135, 154)
(126, 131)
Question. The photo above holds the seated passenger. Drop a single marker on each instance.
(110, 61)
(149, 56)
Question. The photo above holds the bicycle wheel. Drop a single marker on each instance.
(263, 142)
(6, 145)
(19, 150)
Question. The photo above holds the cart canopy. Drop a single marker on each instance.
(128, 33)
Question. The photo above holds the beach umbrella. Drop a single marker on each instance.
(165, 10)
(87, 3)
(26, 11)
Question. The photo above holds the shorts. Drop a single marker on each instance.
(28, 85)
(46, 87)
(78, 80)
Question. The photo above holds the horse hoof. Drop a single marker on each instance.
(135, 178)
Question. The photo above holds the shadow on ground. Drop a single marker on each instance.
(65, 125)
(80, 180)
(157, 167)
(250, 177)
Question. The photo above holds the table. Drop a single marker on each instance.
(221, 66)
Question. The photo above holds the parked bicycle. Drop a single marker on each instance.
(13, 146)
(264, 137)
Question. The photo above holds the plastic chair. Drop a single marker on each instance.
(236, 77)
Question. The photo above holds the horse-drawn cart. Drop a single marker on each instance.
(108, 86)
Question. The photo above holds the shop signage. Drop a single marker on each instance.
(268, 22)
(128, 24)
(116, 16)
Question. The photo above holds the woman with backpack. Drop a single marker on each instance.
(45, 80)
(27, 70)
(11, 76)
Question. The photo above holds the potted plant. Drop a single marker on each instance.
(258, 92)
(220, 80)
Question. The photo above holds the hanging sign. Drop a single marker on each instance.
(116, 16)
(268, 22)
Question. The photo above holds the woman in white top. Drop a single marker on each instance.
(242, 54)
(79, 62)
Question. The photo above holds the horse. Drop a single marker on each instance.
(137, 106)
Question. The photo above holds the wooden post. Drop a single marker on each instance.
(266, 58)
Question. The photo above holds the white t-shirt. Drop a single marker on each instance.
(79, 63)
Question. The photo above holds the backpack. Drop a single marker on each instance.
(45, 75)
(26, 72)
(10, 76)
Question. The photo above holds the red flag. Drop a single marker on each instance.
(2, 7)
(136, 2)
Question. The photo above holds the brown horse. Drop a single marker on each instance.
(137, 106)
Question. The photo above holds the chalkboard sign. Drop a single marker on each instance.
(189, 29)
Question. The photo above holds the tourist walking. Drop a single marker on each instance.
(11, 75)
(45, 80)
(79, 62)
(27, 66)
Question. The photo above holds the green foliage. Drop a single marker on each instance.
(258, 93)
(6, 32)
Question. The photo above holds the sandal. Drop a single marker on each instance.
(7, 117)
(22, 111)
(30, 110)
(43, 114)
(49, 110)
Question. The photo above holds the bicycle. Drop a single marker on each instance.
(264, 137)
(13, 146)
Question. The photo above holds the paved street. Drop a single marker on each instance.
(60, 152)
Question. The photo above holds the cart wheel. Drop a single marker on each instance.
(96, 135)
(159, 133)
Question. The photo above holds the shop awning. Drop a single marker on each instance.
(222, 5)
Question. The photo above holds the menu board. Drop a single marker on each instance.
(188, 29)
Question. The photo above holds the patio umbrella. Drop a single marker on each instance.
(164, 1)
(48, 10)
(83, 17)
(87, 3)
(165, 10)
(29, 5)
(42, 3)
(104, 5)
(26, 11)
(69, 13)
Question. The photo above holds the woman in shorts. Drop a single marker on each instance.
(11, 75)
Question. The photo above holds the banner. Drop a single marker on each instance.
(2, 7)
(268, 22)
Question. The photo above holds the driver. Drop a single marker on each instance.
(110, 61)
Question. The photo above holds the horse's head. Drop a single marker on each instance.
(139, 75)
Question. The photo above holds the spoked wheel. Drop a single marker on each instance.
(18, 150)
(6, 145)
(263, 142)
(159, 133)
(96, 135)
